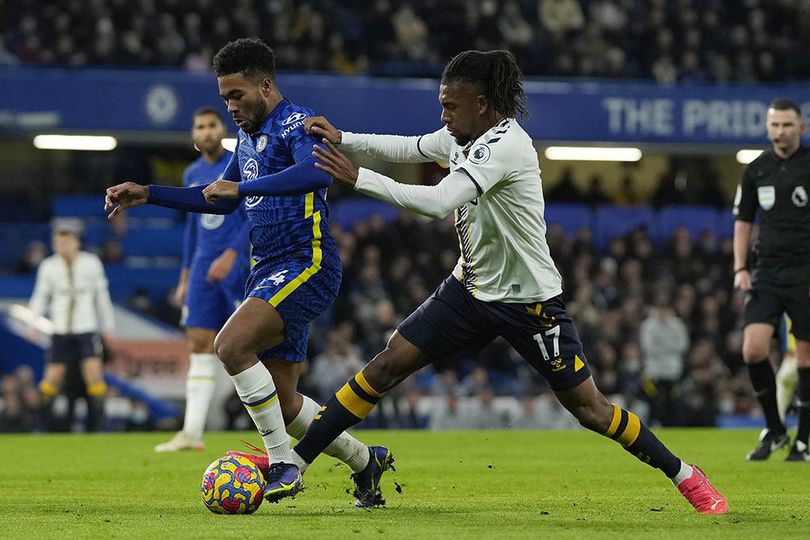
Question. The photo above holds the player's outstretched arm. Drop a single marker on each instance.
(122, 196)
(301, 178)
(456, 189)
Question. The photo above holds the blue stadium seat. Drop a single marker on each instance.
(696, 219)
(725, 223)
(570, 216)
(84, 206)
(349, 211)
(126, 280)
(153, 242)
(15, 237)
(613, 221)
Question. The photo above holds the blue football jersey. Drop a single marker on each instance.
(290, 225)
(211, 234)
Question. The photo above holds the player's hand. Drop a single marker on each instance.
(32, 334)
(180, 293)
(320, 127)
(221, 266)
(335, 164)
(122, 196)
(221, 189)
(742, 280)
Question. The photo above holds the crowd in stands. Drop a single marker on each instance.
(664, 40)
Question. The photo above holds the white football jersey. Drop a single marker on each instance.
(75, 295)
(502, 233)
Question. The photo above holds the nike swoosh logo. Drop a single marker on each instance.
(266, 433)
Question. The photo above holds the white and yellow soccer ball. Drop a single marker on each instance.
(232, 485)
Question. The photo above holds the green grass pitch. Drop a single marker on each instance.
(518, 484)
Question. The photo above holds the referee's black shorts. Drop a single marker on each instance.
(66, 347)
(778, 291)
(452, 320)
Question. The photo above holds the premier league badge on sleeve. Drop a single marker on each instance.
(799, 196)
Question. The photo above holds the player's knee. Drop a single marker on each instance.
(594, 416)
(384, 371)
(754, 352)
(228, 350)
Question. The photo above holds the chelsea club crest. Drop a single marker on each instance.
(261, 143)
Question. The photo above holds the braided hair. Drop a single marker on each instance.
(497, 75)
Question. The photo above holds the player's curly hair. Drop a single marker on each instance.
(251, 57)
(497, 75)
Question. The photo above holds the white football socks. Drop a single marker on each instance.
(683, 474)
(258, 393)
(200, 385)
(345, 448)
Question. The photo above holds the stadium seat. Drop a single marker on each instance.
(126, 280)
(83, 206)
(613, 221)
(349, 211)
(696, 219)
(570, 216)
(724, 225)
(153, 242)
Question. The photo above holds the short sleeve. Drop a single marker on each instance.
(745, 199)
(298, 141)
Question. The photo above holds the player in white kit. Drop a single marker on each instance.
(505, 283)
(72, 288)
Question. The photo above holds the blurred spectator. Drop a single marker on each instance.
(664, 341)
(335, 365)
(34, 254)
(662, 41)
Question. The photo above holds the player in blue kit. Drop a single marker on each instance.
(296, 271)
(216, 260)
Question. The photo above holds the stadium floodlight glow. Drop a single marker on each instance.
(229, 144)
(592, 153)
(98, 143)
(747, 155)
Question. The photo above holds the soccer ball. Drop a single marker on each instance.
(232, 485)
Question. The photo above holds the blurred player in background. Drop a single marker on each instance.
(505, 282)
(297, 268)
(788, 375)
(776, 187)
(72, 288)
(216, 260)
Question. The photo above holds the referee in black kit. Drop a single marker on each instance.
(776, 186)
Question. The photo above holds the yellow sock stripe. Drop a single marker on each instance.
(262, 404)
(353, 403)
(97, 390)
(317, 254)
(47, 389)
(631, 431)
(361, 380)
(617, 417)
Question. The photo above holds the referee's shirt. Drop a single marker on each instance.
(75, 294)
(779, 190)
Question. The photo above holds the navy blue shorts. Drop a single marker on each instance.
(67, 347)
(452, 320)
(300, 291)
(209, 304)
